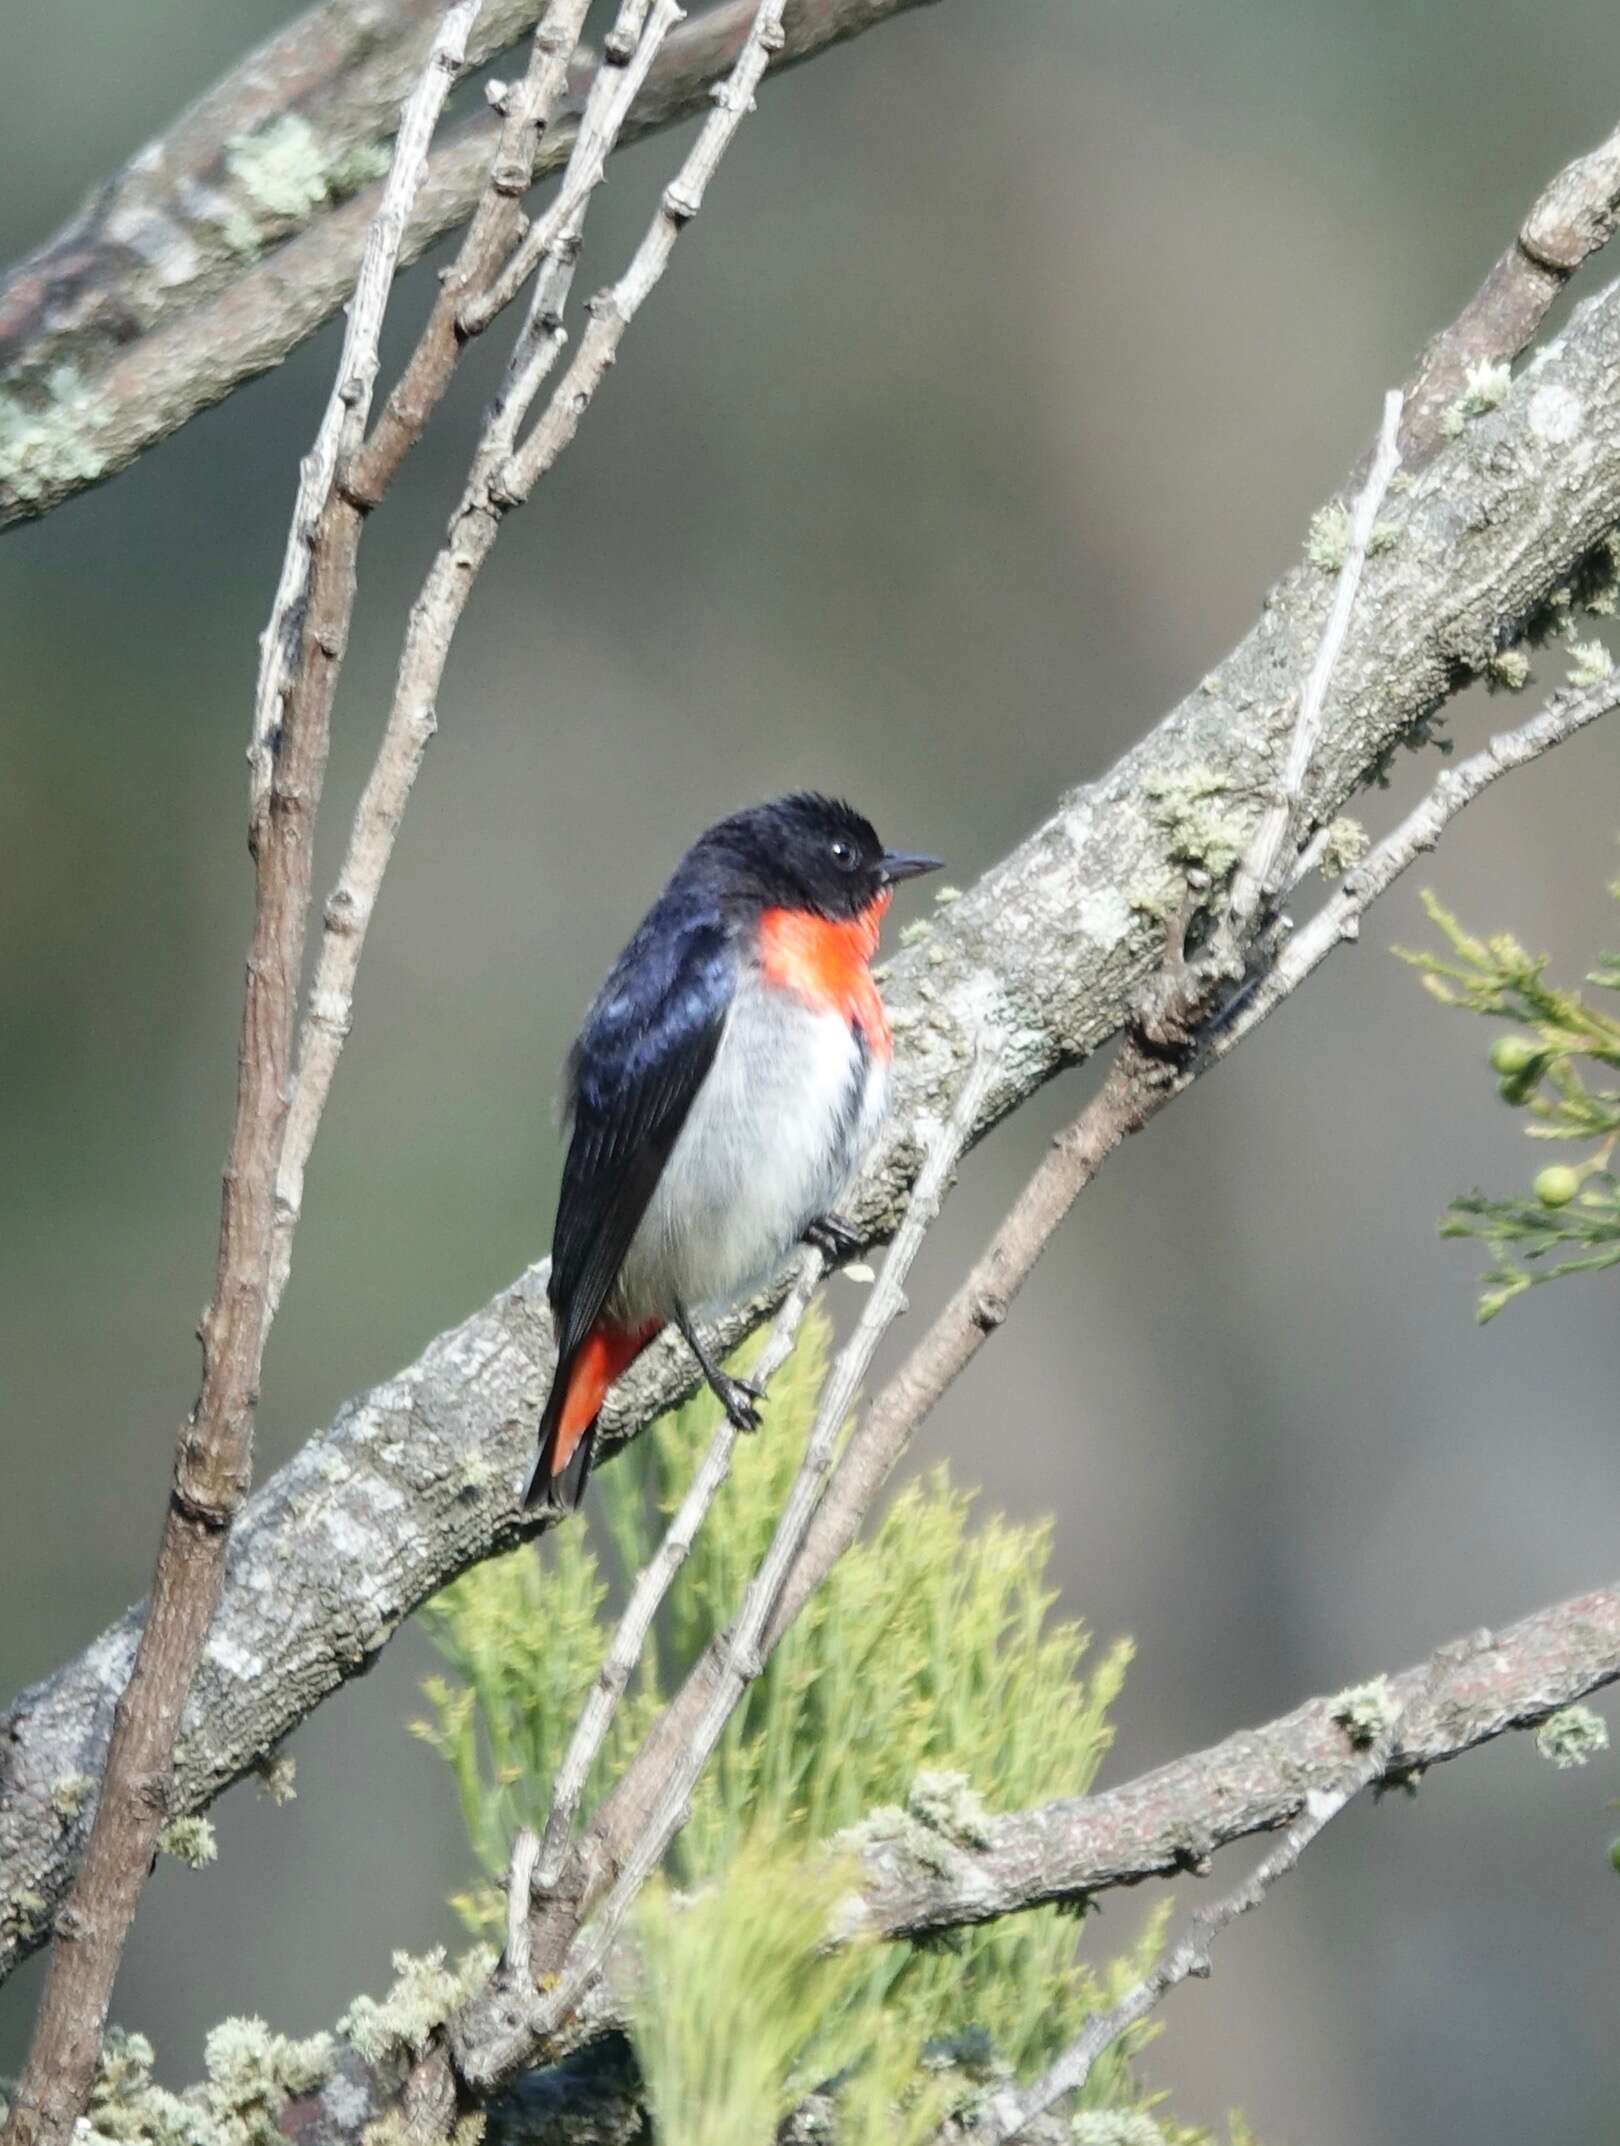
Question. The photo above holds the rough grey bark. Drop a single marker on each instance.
(226, 243)
(420, 1477)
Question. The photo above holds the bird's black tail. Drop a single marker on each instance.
(560, 1488)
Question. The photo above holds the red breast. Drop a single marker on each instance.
(828, 964)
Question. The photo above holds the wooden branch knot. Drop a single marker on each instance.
(512, 179)
(212, 1515)
(989, 1310)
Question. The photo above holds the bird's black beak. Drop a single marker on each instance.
(898, 864)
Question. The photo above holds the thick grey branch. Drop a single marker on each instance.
(221, 247)
(420, 1477)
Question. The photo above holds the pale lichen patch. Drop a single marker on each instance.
(1104, 916)
(1572, 1736)
(52, 443)
(1556, 414)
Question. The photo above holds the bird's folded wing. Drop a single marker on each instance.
(646, 1047)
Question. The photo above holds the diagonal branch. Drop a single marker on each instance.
(1012, 2111)
(646, 1597)
(1175, 1818)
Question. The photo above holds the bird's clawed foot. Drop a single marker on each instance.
(834, 1238)
(740, 1398)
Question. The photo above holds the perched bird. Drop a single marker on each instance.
(728, 1079)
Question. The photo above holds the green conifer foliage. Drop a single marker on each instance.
(926, 1686)
(1552, 1064)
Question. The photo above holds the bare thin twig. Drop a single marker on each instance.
(344, 423)
(1257, 880)
(496, 228)
(613, 310)
(214, 1459)
(1339, 918)
(740, 1651)
(1013, 2108)
(652, 1585)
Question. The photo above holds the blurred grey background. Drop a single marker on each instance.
(979, 409)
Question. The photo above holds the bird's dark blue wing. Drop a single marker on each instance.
(641, 1057)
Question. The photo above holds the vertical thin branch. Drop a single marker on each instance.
(214, 1457)
(652, 1585)
(741, 1654)
(343, 425)
(412, 718)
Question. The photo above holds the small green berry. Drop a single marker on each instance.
(1518, 1088)
(1614, 1853)
(1516, 1054)
(1557, 1185)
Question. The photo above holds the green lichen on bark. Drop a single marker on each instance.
(49, 437)
(282, 173)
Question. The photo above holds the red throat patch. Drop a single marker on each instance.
(828, 965)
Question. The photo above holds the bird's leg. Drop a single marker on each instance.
(833, 1237)
(738, 1397)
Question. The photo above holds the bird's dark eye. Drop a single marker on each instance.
(843, 853)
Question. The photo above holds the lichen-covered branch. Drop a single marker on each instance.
(1176, 1817)
(1571, 219)
(228, 241)
(305, 121)
(420, 1476)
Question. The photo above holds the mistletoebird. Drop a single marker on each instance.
(728, 1080)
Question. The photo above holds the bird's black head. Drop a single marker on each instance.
(808, 852)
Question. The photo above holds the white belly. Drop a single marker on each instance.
(788, 1109)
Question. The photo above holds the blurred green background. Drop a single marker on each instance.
(994, 386)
